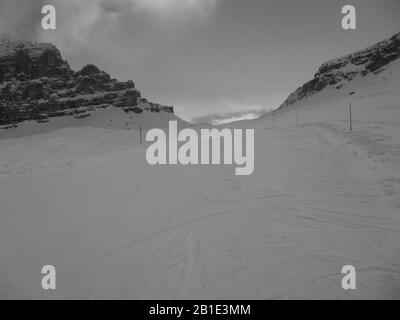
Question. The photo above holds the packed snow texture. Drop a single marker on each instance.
(84, 199)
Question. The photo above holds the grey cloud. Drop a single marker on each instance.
(20, 18)
(204, 56)
(115, 6)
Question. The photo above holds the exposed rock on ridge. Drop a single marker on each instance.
(338, 71)
(36, 84)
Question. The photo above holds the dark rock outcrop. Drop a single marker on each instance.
(37, 84)
(339, 71)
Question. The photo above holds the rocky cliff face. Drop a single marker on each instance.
(339, 71)
(37, 84)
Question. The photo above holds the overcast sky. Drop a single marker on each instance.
(205, 56)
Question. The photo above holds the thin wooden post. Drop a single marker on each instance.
(351, 120)
(140, 131)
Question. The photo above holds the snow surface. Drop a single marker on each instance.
(108, 118)
(84, 200)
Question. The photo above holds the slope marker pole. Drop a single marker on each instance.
(140, 133)
(351, 120)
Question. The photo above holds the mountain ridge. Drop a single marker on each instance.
(36, 83)
(338, 71)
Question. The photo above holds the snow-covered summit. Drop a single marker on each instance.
(37, 85)
(337, 72)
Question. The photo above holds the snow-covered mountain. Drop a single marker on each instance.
(338, 72)
(85, 200)
(362, 88)
(38, 87)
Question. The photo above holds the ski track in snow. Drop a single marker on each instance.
(201, 232)
(321, 197)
